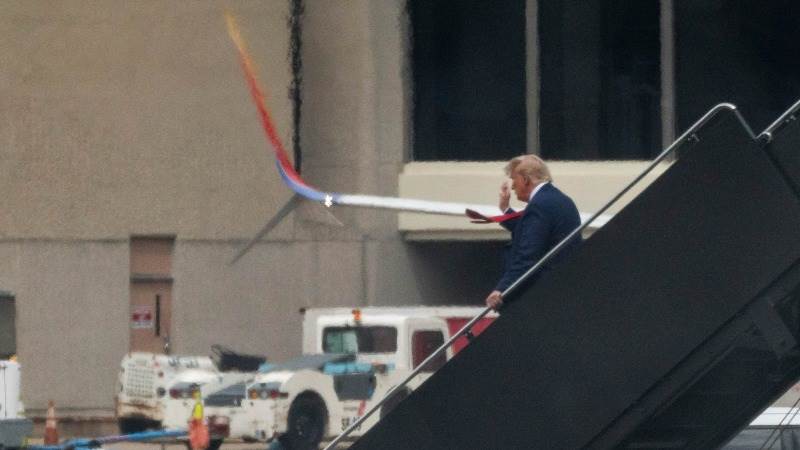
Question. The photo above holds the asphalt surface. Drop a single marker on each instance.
(225, 446)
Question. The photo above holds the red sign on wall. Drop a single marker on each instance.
(142, 317)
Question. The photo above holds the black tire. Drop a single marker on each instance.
(393, 401)
(214, 444)
(306, 427)
(130, 425)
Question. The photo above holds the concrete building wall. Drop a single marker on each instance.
(132, 118)
(354, 133)
(253, 306)
(72, 315)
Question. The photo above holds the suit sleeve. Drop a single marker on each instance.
(510, 223)
(533, 229)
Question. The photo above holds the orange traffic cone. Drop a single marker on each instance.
(51, 425)
(199, 438)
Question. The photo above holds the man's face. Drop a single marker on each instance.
(521, 186)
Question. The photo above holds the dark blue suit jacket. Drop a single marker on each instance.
(546, 221)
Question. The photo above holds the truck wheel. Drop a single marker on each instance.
(393, 401)
(213, 444)
(306, 427)
(129, 425)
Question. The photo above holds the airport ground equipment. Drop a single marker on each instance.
(144, 383)
(155, 391)
(351, 358)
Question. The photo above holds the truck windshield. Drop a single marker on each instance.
(359, 340)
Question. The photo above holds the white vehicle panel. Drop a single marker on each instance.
(145, 378)
(178, 411)
(10, 404)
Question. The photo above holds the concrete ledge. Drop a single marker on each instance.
(590, 184)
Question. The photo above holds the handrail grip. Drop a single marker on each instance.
(767, 133)
(466, 328)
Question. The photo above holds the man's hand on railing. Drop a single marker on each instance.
(495, 300)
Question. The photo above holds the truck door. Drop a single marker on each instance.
(424, 337)
(423, 344)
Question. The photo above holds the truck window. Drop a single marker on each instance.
(423, 344)
(359, 340)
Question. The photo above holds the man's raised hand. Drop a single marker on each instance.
(505, 196)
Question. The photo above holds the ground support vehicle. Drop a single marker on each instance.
(225, 414)
(143, 386)
(178, 408)
(352, 358)
(14, 427)
(156, 391)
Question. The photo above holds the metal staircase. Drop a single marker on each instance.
(671, 327)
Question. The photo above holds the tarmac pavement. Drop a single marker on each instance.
(225, 446)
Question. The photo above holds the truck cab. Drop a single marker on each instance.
(352, 357)
(400, 342)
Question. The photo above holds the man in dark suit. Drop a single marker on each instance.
(547, 219)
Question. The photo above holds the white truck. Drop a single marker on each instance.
(14, 427)
(352, 358)
(157, 391)
(145, 383)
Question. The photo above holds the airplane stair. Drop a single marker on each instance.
(672, 327)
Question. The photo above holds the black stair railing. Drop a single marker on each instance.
(466, 330)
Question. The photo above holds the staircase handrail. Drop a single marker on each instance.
(466, 329)
(784, 118)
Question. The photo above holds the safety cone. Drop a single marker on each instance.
(51, 425)
(199, 438)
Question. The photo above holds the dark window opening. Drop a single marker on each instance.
(743, 52)
(423, 344)
(600, 91)
(8, 328)
(361, 339)
(468, 64)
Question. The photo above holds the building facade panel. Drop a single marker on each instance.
(72, 319)
(253, 305)
(133, 117)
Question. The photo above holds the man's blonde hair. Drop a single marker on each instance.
(530, 166)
